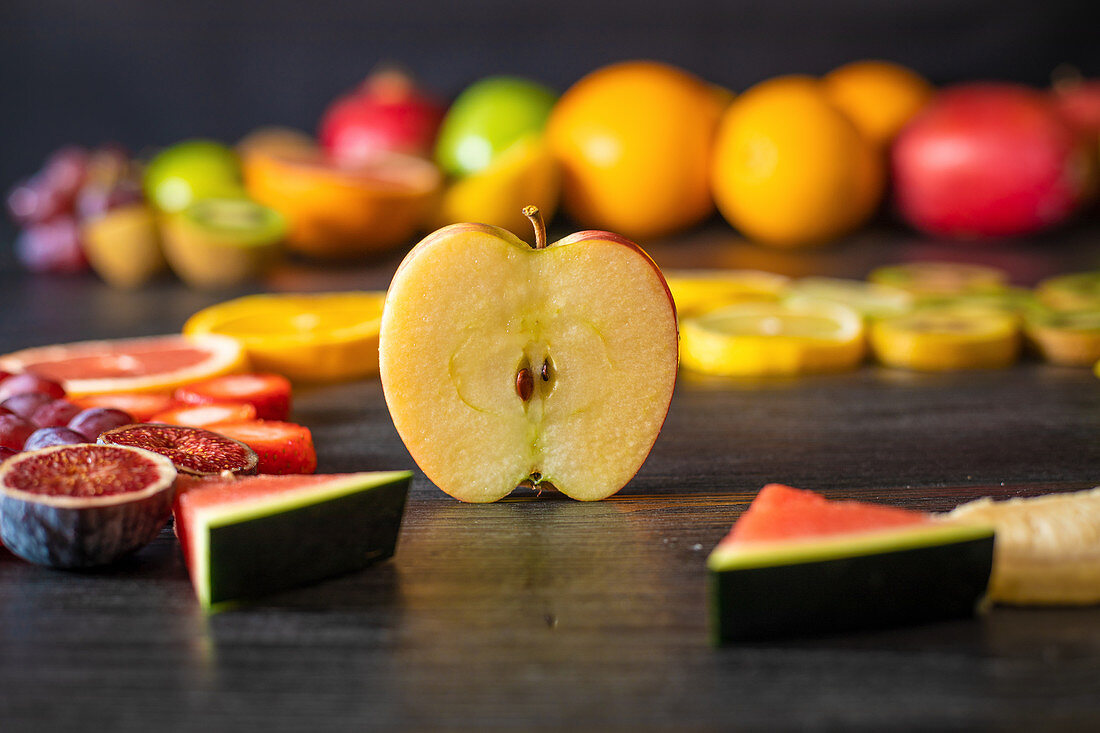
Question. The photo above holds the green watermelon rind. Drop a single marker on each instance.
(205, 519)
(899, 576)
(736, 556)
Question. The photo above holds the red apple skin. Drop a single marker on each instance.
(387, 113)
(988, 160)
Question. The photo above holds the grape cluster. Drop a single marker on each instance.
(35, 414)
(74, 186)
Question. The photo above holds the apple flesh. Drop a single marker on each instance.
(503, 364)
(988, 160)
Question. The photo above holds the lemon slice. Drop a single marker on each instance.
(321, 337)
(1076, 291)
(940, 278)
(871, 300)
(1047, 550)
(1069, 338)
(947, 338)
(753, 339)
(696, 291)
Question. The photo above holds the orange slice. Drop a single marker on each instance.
(764, 339)
(153, 364)
(947, 338)
(317, 338)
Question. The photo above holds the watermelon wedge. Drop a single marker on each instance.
(797, 564)
(247, 536)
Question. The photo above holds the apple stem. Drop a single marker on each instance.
(532, 213)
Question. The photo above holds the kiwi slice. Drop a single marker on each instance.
(940, 278)
(1076, 291)
(220, 242)
(1069, 338)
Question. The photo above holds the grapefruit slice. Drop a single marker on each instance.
(151, 364)
(796, 564)
(1048, 547)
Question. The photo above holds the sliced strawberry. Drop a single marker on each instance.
(201, 416)
(283, 447)
(268, 393)
(142, 405)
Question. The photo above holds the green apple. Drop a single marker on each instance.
(487, 118)
(191, 170)
(503, 363)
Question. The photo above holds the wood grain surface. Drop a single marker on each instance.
(540, 613)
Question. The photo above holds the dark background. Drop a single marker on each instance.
(148, 73)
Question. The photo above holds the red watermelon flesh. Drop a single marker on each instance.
(781, 513)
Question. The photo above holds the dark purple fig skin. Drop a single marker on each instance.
(95, 531)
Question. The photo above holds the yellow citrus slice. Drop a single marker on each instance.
(754, 339)
(1047, 550)
(871, 300)
(940, 278)
(1069, 338)
(151, 364)
(318, 338)
(696, 291)
(947, 338)
(1076, 291)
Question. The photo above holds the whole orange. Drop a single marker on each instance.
(790, 169)
(634, 141)
(878, 96)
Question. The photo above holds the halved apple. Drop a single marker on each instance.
(337, 212)
(504, 363)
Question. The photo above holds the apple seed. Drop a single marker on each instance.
(525, 384)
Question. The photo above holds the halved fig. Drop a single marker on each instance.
(194, 451)
(78, 506)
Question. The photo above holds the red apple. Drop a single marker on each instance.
(387, 113)
(988, 160)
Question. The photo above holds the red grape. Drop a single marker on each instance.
(95, 420)
(34, 201)
(28, 382)
(25, 403)
(66, 170)
(45, 437)
(53, 246)
(54, 414)
(14, 431)
(96, 200)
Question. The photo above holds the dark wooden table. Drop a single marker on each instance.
(546, 613)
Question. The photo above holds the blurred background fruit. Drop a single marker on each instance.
(634, 140)
(123, 246)
(338, 213)
(526, 173)
(988, 160)
(790, 169)
(192, 170)
(386, 113)
(492, 143)
(487, 118)
(216, 243)
(879, 97)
